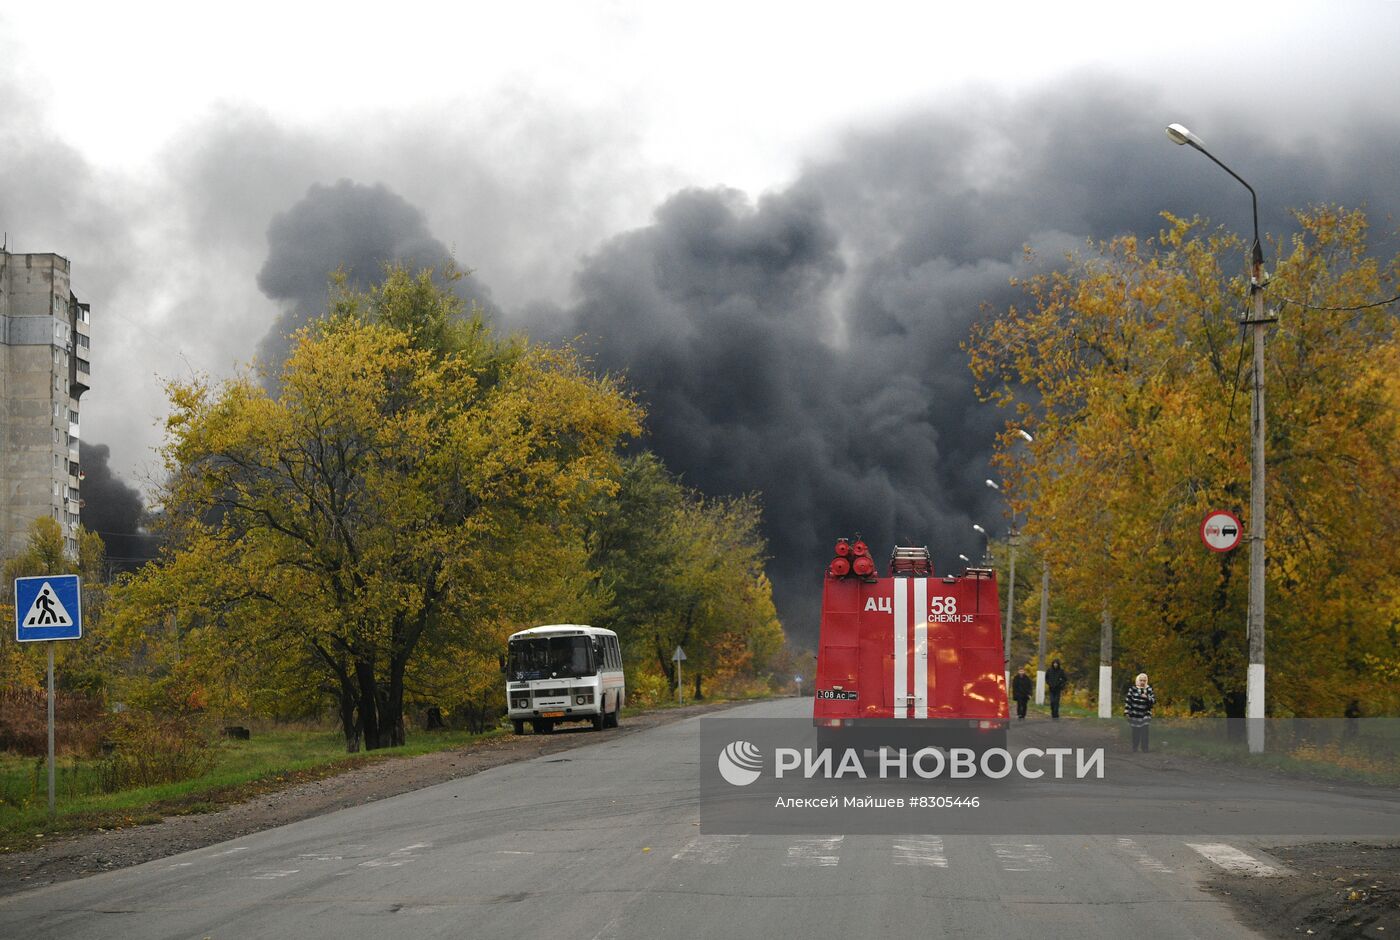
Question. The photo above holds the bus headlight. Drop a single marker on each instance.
(578, 699)
(522, 703)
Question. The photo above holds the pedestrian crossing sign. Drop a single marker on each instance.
(48, 607)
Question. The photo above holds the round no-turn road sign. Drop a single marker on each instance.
(1221, 531)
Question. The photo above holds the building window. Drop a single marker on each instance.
(83, 341)
(84, 366)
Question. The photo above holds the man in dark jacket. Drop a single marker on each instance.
(1021, 688)
(1055, 682)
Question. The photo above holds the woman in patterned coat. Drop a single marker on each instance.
(1137, 706)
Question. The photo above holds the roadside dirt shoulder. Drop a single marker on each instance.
(71, 857)
(1338, 889)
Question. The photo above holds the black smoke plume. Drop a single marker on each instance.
(808, 346)
(346, 226)
(113, 510)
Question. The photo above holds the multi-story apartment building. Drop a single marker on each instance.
(45, 366)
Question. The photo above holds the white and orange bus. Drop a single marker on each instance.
(564, 672)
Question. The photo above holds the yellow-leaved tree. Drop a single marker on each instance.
(335, 535)
(1127, 367)
(84, 663)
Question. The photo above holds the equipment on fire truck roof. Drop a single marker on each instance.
(852, 558)
(910, 561)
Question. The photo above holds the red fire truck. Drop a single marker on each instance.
(908, 660)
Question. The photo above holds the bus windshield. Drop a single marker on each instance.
(545, 657)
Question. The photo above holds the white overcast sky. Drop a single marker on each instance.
(726, 92)
(671, 94)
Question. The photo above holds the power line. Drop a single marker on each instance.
(1378, 303)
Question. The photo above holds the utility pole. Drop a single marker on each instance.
(1257, 319)
(1044, 612)
(1106, 662)
(1010, 604)
(1254, 679)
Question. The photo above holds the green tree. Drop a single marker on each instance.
(684, 570)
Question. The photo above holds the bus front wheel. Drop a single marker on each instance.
(540, 726)
(518, 725)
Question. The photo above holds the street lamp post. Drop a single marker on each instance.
(1257, 320)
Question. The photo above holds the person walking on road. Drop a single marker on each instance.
(1021, 688)
(1137, 705)
(1055, 682)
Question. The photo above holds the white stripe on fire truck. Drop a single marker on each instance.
(901, 648)
(920, 612)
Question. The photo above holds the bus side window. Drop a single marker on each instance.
(617, 653)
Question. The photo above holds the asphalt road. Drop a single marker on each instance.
(603, 841)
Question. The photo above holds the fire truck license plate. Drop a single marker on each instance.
(838, 694)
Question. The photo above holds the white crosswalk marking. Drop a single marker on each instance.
(398, 857)
(709, 850)
(1233, 860)
(926, 851)
(1022, 856)
(1144, 861)
(920, 852)
(814, 853)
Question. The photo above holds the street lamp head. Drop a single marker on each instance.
(1180, 135)
(979, 528)
(992, 484)
(1025, 434)
(965, 558)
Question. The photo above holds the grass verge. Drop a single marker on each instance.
(269, 761)
(1372, 759)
